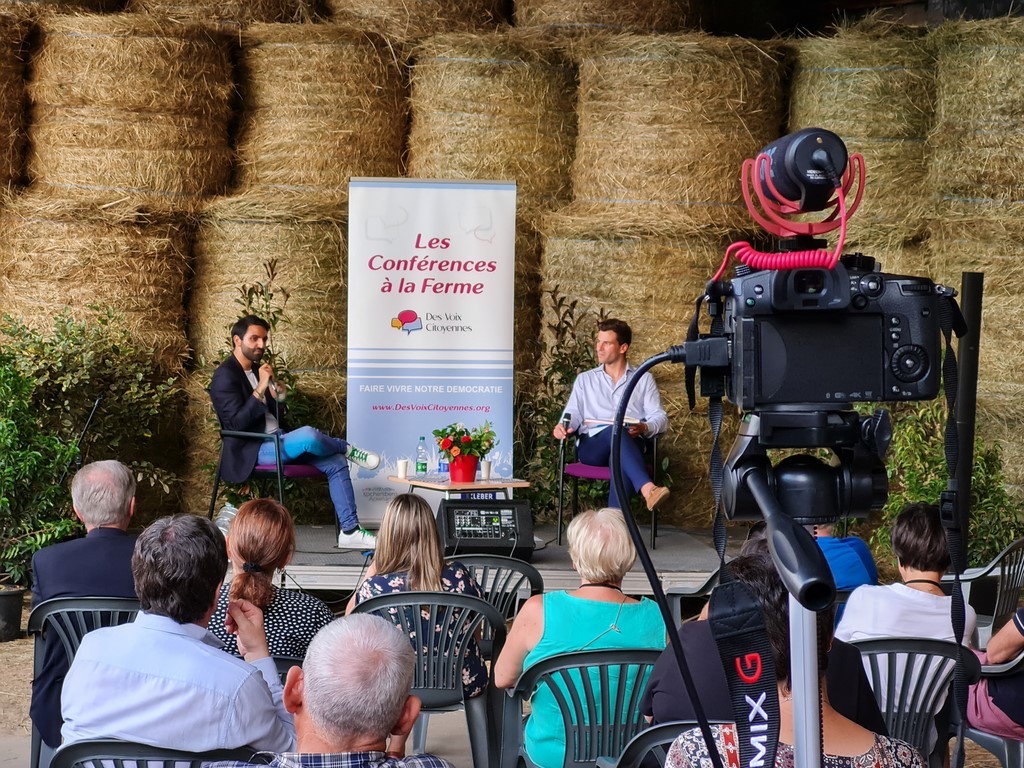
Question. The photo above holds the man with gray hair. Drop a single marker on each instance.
(351, 699)
(98, 565)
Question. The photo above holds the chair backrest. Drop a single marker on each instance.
(111, 753)
(655, 741)
(1010, 583)
(598, 696)
(70, 618)
(911, 680)
(442, 627)
(284, 663)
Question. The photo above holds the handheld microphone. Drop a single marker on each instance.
(566, 419)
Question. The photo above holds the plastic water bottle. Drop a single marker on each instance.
(421, 456)
(442, 465)
(225, 516)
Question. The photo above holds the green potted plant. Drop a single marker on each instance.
(464, 447)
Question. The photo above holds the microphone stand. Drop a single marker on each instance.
(566, 420)
(77, 461)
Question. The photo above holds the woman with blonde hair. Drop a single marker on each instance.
(260, 541)
(594, 616)
(409, 557)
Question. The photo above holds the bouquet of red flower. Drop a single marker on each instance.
(457, 440)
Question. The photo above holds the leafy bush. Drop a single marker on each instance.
(33, 501)
(917, 472)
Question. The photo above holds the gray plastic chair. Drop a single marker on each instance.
(442, 626)
(912, 681)
(995, 590)
(654, 742)
(111, 753)
(599, 714)
(1009, 752)
(284, 663)
(68, 620)
(505, 581)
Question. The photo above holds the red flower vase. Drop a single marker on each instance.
(462, 469)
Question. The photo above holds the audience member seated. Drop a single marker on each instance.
(99, 565)
(918, 607)
(848, 558)
(261, 540)
(845, 743)
(595, 616)
(410, 557)
(996, 704)
(350, 694)
(163, 680)
(666, 698)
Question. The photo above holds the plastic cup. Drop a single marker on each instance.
(402, 468)
(485, 469)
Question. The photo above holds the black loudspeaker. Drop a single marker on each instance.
(495, 527)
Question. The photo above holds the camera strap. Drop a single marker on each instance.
(737, 624)
(951, 321)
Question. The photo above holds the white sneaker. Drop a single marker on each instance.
(364, 459)
(358, 539)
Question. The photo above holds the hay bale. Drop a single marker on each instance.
(494, 106)
(237, 11)
(409, 22)
(664, 125)
(977, 143)
(320, 104)
(57, 254)
(61, 6)
(610, 15)
(13, 30)
(237, 238)
(651, 282)
(129, 106)
(874, 85)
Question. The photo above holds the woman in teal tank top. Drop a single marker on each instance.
(595, 616)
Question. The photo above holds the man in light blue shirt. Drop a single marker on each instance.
(593, 403)
(163, 679)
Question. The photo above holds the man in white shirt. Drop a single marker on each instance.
(592, 406)
(163, 680)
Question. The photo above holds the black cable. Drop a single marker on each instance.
(675, 355)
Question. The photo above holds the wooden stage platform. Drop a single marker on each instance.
(683, 558)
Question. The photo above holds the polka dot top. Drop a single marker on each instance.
(291, 619)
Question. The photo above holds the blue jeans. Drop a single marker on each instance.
(307, 445)
(596, 451)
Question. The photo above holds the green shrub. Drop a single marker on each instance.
(33, 500)
(917, 472)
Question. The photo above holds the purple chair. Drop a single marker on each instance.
(278, 470)
(577, 470)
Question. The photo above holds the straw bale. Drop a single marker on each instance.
(60, 6)
(665, 124)
(56, 255)
(238, 11)
(237, 237)
(874, 86)
(637, 16)
(977, 143)
(320, 104)
(129, 106)
(202, 445)
(408, 22)
(13, 30)
(651, 282)
(494, 106)
(105, 153)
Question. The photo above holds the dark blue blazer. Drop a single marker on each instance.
(99, 565)
(231, 394)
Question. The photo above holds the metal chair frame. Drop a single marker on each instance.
(70, 619)
(570, 468)
(600, 715)
(427, 618)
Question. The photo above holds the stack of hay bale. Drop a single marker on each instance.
(976, 181)
(664, 125)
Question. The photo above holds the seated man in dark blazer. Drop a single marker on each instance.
(247, 399)
(99, 565)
